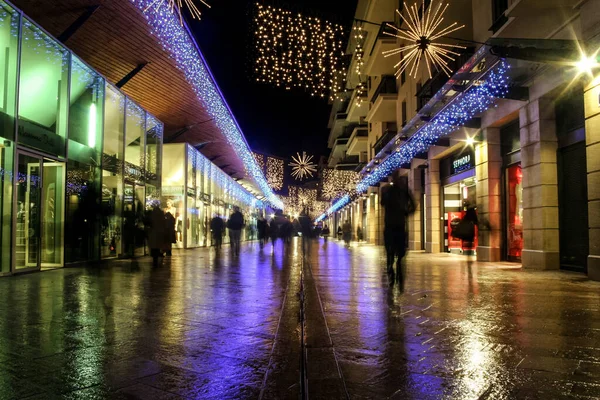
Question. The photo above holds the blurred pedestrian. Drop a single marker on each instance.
(217, 226)
(359, 234)
(469, 223)
(170, 235)
(235, 225)
(347, 232)
(325, 233)
(339, 233)
(306, 229)
(156, 234)
(398, 203)
(261, 227)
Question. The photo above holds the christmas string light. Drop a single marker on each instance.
(467, 105)
(275, 167)
(298, 51)
(302, 166)
(337, 182)
(359, 38)
(177, 41)
(260, 159)
(422, 33)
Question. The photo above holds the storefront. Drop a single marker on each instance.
(194, 190)
(79, 160)
(512, 193)
(457, 174)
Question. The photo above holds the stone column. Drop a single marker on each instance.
(540, 185)
(592, 141)
(432, 193)
(373, 215)
(488, 170)
(414, 220)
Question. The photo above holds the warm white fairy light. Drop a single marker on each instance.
(275, 167)
(338, 182)
(298, 51)
(359, 38)
(177, 6)
(421, 33)
(302, 166)
(260, 160)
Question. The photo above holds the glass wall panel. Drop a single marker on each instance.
(83, 173)
(9, 33)
(173, 186)
(154, 137)
(29, 202)
(6, 201)
(52, 213)
(43, 92)
(191, 216)
(135, 140)
(112, 173)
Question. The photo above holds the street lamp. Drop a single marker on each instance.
(586, 64)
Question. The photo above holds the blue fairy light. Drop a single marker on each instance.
(178, 42)
(467, 105)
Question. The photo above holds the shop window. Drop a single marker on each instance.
(9, 30)
(173, 187)
(43, 91)
(135, 141)
(112, 173)
(83, 211)
(86, 98)
(154, 138)
(498, 17)
(514, 206)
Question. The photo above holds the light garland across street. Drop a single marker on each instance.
(469, 104)
(178, 42)
(298, 51)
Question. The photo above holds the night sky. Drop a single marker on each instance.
(274, 121)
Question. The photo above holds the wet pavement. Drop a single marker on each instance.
(275, 324)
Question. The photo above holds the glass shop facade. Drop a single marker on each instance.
(194, 190)
(79, 161)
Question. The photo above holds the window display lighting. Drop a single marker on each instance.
(177, 40)
(466, 106)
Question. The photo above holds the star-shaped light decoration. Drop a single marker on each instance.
(177, 5)
(302, 166)
(422, 33)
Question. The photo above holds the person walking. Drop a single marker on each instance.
(235, 223)
(306, 229)
(398, 203)
(339, 233)
(156, 234)
(469, 223)
(347, 232)
(170, 234)
(216, 227)
(261, 227)
(359, 234)
(325, 233)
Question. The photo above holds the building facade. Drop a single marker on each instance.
(524, 155)
(81, 161)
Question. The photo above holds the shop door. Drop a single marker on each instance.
(39, 213)
(573, 207)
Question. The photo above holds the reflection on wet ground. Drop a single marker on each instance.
(268, 325)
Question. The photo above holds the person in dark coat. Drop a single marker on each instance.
(470, 217)
(325, 232)
(398, 203)
(156, 234)
(235, 223)
(261, 227)
(170, 235)
(217, 226)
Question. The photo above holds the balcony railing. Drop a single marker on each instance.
(386, 86)
(383, 140)
(348, 163)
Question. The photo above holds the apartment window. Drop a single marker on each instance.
(498, 17)
(404, 113)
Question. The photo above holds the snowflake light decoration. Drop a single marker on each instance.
(302, 166)
(176, 5)
(421, 35)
